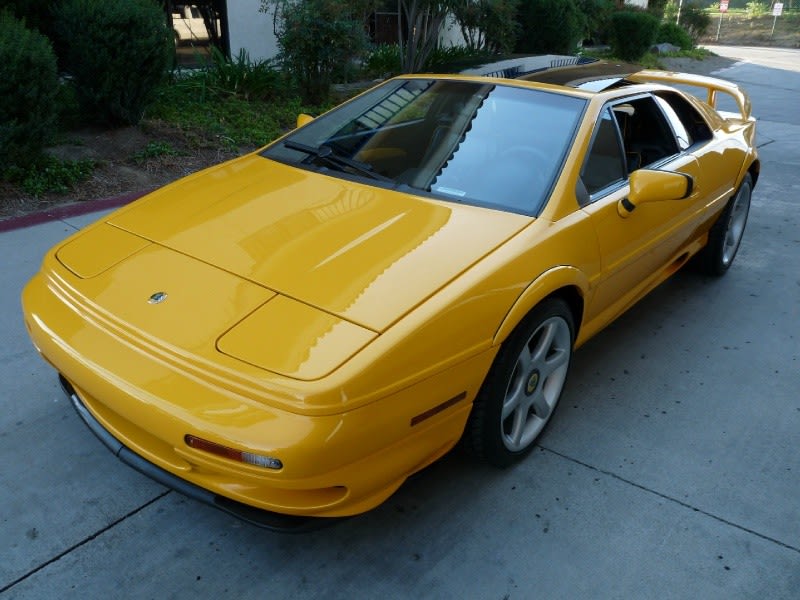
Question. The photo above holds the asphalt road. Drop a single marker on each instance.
(671, 469)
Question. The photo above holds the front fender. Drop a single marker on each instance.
(548, 283)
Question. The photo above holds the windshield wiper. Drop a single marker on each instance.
(327, 154)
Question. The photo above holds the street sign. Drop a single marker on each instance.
(723, 8)
(777, 9)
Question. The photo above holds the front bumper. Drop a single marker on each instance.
(142, 404)
(261, 518)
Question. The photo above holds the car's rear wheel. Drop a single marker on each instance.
(726, 234)
(523, 386)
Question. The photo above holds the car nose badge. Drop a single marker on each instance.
(157, 298)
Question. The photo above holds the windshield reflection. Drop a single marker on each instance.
(464, 141)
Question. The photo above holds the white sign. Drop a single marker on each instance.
(777, 9)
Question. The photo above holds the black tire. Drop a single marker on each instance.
(525, 381)
(726, 234)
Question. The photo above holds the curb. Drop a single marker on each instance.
(69, 210)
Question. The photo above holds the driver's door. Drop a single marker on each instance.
(641, 248)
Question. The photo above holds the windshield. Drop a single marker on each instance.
(473, 142)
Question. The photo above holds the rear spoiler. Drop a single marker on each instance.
(712, 85)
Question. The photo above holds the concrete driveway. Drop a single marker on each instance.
(671, 469)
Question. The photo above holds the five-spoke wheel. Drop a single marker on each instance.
(726, 234)
(523, 386)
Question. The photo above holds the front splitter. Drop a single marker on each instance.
(250, 514)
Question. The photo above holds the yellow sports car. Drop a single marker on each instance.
(297, 331)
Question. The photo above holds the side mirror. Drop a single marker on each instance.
(304, 119)
(655, 186)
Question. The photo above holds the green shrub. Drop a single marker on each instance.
(453, 59)
(49, 174)
(488, 25)
(632, 34)
(35, 13)
(317, 38)
(550, 26)
(656, 8)
(670, 11)
(225, 120)
(251, 80)
(598, 19)
(154, 150)
(383, 61)
(28, 88)
(695, 20)
(757, 9)
(117, 51)
(675, 35)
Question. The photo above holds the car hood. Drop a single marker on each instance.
(362, 253)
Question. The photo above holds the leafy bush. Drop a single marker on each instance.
(452, 59)
(35, 13)
(695, 20)
(488, 25)
(28, 88)
(632, 33)
(675, 35)
(226, 120)
(670, 11)
(317, 37)
(154, 150)
(49, 174)
(251, 80)
(38, 14)
(657, 7)
(383, 61)
(550, 26)
(598, 19)
(117, 51)
(757, 9)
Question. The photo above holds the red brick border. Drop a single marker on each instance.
(68, 210)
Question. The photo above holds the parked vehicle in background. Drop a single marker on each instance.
(188, 24)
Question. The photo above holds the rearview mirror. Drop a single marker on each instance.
(304, 119)
(648, 185)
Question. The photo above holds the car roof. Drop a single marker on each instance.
(581, 73)
(597, 76)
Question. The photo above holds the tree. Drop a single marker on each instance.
(423, 21)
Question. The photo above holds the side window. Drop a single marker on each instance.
(604, 165)
(681, 134)
(646, 135)
(688, 118)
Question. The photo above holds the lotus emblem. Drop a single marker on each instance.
(157, 298)
(533, 382)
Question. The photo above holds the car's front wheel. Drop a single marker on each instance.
(523, 386)
(726, 234)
